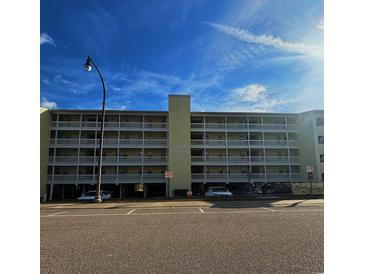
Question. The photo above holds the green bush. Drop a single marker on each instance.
(304, 188)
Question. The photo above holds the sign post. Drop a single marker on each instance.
(168, 175)
(310, 175)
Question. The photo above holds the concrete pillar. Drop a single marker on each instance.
(145, 188)
(179, 159)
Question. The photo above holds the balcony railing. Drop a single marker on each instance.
(91, 178)
(244, 143)
(242, 177)
(244, 159)
(107, 159)
(107, 125)
(196, 177)
(244, 126)
(109, 142)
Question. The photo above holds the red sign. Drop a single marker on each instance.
(169, 174)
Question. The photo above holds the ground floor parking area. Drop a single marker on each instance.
(151, 190)
(183, 237)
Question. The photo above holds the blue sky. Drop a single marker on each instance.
(228, 55)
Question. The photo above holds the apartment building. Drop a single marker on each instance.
(202, 149)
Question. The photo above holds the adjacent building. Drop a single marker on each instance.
(202, 149)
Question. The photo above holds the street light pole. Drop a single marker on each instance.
(88, 66)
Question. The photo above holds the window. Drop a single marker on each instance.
(320, 121)
(322, 177)
(321, 157)
(320, 139)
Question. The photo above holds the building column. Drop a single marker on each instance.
(145, 188)
(179, 143)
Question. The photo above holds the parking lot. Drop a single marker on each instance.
(183, 237)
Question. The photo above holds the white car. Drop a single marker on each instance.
(218, 191)
(90, 195)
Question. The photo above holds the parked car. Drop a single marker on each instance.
(253, 191)
(90, 195)
(218, 191)
(268, 190)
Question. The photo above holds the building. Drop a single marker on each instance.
(201, 148)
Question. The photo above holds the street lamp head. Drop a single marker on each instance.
(87, 64)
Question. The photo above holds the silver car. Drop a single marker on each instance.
(218, 191)
(90, 195)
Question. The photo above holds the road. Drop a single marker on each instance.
(236, 237)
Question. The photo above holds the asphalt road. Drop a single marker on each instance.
(182, 240)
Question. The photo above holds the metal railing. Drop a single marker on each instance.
(73, 178)
(107, 159)
(242, 177)
(245, 159)
(108, 142)
(109, 124)
(244, 126)
(240, 143)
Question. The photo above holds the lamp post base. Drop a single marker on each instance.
(98, 200)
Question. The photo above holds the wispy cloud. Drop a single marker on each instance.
(254, 97)
(46, 39)
(267, 40)
(321, 24)
(114, 88)
(48, 104)
(251, 93)
(58, 78)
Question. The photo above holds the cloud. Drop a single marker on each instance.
(58, 78)
(252, 98)
(251, 93)
(321, 24)
(47, 104)
(46, 39)
(114, 88)
(46, 81)
(267, 40)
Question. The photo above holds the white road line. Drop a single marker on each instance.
(54, 214)
(131, 211)
(177, 213)
(201, 210)
(270, 209)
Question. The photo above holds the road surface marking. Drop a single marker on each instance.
(177, 213)
(54, 214)
(201, 210)
(268, 208)
(131, 211)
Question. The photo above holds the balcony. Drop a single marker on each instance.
(232, 127)
(239, 160)
(157, 143)
(122, 126)
(107, 160)
(106, 178)
(242, 177)
(200, 143)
